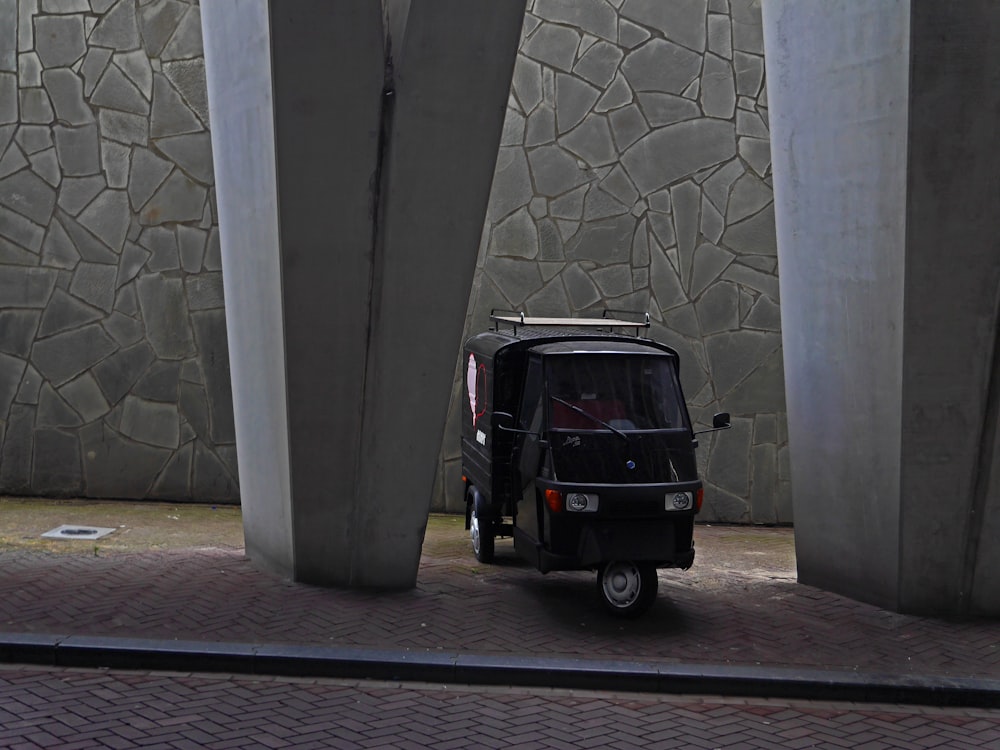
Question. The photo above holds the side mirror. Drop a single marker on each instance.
(721, 421)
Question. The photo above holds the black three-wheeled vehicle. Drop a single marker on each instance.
(577, 442)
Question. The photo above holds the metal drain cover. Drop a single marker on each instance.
(68, 531)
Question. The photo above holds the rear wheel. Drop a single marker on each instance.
(627, 588)
(480, 529)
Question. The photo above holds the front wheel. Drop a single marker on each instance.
(627, 588)
(481, 531)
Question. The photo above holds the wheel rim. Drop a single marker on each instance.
(474, 532)
(621, 584)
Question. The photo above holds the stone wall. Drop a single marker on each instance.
(635, 174)
(114, 378)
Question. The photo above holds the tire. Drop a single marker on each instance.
(481, 530)
(627, 588)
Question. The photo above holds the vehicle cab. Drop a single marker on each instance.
(577, 443)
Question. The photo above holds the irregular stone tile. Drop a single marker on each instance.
(78, 150)
(664, 282)
(191, 247)
(735, 355)
(591, 141)
(15, 459)
(31, 138)
(580, 288)
(95, 283)
(693, 145)
(35, 106)
(618, 185)
(93, 68)
(29, 195)
(631, 35)
(627, 126)
(62, 357)
(617, 94)
(53, 411)
(213, 356)
(147, 173)
(717, 187)
(77, 192)
(527, 83)
(601, 205)
(58, 249)
(188, 77)
(108, 218)
(170, 115)
(549, 248)
(22, 287)
(593, 16)
(116, 91)
(749, 195)
(16, 256)
(662, 226)
(683, 320)
(117, 29)
(748, 34)
(515, 236)
(640, 245)
(541, 127)
(757, 153)
(755, 235)
(165, 313)
(555, 171)
(174, 481)
(211, 479)
(157, 22)
(8, 36)
(65, 6)
(160, 383)
(17, 331)
(162, 244)
(513, 128)
(604, 242)
(213, 251)
(764, 315)
(666, 109)
(151, 422)
(20, 230)
(750, 124)
(764, 484)
(8, 98)
(7, 134)
(613, 281)
(127, 301)
(124, 127)
(186, 41)
(227, 454)
(135, 66)
(65, 312)
(718, 308)
(761, 282)
(191, 372)
(85, 397)
(553, 45)
(762, 390)
(133, 258)
(720, 38)
(31, 385)
(88, 246)
(712, 223)
(718, 90)
(29, 71)
(115, 163)
(25, 28)
(574, 98)
(192, 153)
(569, 205)
(600, 64)
(11, 372)
(59, 40)
(514, 277)
(683, 21)
(709, 263)
(194, 408)
(178, 199)
(661, 66)
(123, 329)
(118, 373)
(12, 161)
(46, 165)
(117, 467)
(65, 90)
(686, 201)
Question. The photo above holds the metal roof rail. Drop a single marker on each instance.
(516, 318)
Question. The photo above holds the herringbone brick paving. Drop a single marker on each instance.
(739, 613)
(75, 709)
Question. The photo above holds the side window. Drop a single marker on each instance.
(530, 413)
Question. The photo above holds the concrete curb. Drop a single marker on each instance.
(489, 669)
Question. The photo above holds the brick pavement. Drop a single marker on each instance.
(81, 709)
(505, 609)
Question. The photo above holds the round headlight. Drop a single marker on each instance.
(576, 501)
(682, 500)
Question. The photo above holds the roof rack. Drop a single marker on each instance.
(515, 319)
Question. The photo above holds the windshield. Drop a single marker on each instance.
(622, 391)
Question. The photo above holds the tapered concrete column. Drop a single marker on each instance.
(883, 116)
(353, 171)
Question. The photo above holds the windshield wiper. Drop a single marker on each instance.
(591, 417)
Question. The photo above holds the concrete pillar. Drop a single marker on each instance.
(883, 116)
(353, 170)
